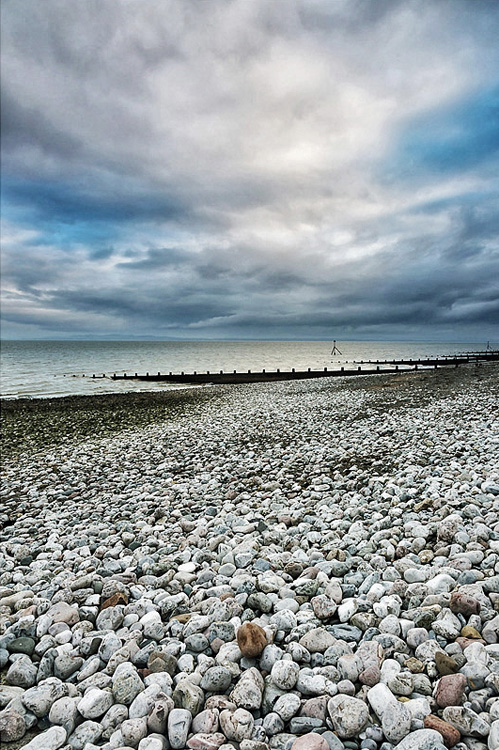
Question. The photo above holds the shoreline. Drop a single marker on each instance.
(39, 423)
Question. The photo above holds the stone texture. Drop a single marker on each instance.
(310, 741)
(450, 734)
(251, 639)
(348, 715)
(450, 690)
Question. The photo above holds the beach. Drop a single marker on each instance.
(310, 565)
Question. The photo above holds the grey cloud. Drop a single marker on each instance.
(219, 166)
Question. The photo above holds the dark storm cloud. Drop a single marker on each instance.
(250, 168)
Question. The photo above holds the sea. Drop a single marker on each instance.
(46, 369)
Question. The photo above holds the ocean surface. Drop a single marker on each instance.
(40, 369)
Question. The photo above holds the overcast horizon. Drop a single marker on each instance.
(250, 169)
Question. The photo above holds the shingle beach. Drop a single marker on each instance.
(296, 566)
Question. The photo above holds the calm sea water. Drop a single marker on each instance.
(60, 368)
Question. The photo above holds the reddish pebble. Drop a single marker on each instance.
(370, 676)
(465, 642)
(450, 690)
(466, 605)
(311, 741)
(450, 734)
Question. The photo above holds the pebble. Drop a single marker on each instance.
(450, 734)
(421, 739)
(52, 739)
(262, 575)
(12, 725)
(348, 715)
(95, 703)
(450, 690)
(251, 639)
(237, 725)
(179, 722)
(310, 741)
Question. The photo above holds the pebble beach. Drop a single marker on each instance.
(307, 565)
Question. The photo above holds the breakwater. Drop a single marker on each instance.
(370, 367)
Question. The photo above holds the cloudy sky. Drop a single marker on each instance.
(250, 169)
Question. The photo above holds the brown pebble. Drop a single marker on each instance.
(294, 569)
(414, 665)
(470, 632)
(445, 663)
(426, 556)
(183, 618)
(450, 734)
(287, 520)
(118, 598)
(450, 690)
(251, 639)
(310, 573)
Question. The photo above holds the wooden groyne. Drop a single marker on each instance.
(459, 359)
(383, 367)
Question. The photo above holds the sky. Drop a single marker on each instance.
(250, 169)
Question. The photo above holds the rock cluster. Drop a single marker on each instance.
(296, 566)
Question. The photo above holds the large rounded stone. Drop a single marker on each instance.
(284, 674)
(450, 690)
(237, 725)
(22, 673)
(422, 739)
(317, 640)
(348, 715)
(40, 698)
(251, 639)
(179, 723)
(12, 726)
(126, 683)
(95, 703)
(450, 734)
(52, 739)
(216, 679)
(64, 713)
(189, 696)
